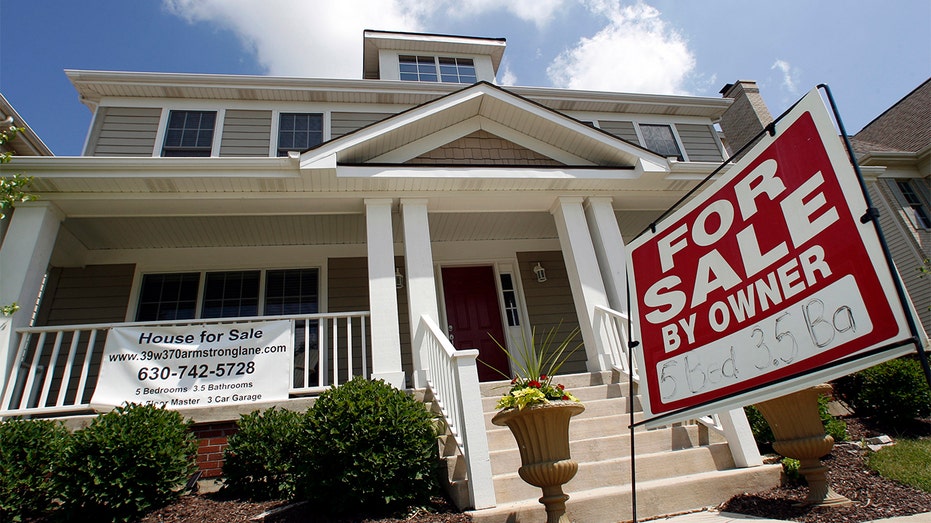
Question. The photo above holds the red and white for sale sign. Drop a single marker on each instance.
(766, 275)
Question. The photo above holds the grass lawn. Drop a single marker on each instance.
(908, 462)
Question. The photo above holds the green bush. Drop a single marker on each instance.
(259, 461)
(29, 454)
(892, 392)
(368, 446)
(127, 462)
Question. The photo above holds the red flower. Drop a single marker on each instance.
(514, 380)
(565, 398)
(542, 377)
(534, 383)
(561, 387)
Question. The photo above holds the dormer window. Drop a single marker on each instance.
(189, 133)
(425, 68)
(659, 139)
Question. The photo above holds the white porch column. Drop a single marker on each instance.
(24, 260)
(420, 281)
(383, 298)
(585, 280)
(609, 249)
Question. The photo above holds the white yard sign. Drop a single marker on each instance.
(196, 365)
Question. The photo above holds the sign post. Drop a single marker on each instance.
(765, 283)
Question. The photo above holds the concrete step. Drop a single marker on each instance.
(595, 408)
(585, 394)
(571, 381)
(610, 504)
(500, 438)
(591, 475)
(616, 446)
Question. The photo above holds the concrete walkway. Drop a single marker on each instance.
(713, 516)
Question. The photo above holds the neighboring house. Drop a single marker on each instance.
(392, 218)
(25, 143)
(894, 152)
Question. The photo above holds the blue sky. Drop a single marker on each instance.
(870, 53)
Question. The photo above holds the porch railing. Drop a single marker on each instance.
(732, 424)
(55, 369)
(452, 377)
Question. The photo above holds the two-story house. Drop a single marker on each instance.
(393, 219)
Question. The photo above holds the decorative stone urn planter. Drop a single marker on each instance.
(799, 434)
(542, 434)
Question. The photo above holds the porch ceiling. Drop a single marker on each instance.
(263, 231)
(173, 232)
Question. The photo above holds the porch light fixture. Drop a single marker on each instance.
(398, 278)
(540, 272)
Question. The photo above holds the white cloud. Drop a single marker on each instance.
(788, 75)
(540, 12)
(324, 39)
(635, 52)
(508, 77)
(300, 38)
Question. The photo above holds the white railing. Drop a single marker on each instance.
(55, 368)
(452, 377)
(614, 325)
(731, 424)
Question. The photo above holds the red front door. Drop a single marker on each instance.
(474, 317)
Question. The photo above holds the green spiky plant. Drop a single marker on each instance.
(535, 367)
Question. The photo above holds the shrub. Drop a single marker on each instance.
(892, 392)
(259, 460)
(29, 454)
(368, 445)
(126, 462)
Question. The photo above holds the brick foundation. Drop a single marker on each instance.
(211, 442)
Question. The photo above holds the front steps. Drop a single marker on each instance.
(679, 468)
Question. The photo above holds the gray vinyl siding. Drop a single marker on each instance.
(344, 123)
(699, 142)
(246, 133)
(623, 130)
(124, 131)
(348, 291)
(550, 302)
(75, 296)
(907, 246)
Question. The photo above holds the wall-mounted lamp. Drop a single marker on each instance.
(398, 278)
(540, 272)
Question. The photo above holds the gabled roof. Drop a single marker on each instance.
(482, 107)
(27, 142)
(906, 126)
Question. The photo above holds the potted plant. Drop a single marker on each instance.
(537, 412)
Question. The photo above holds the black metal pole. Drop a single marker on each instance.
(872, 215)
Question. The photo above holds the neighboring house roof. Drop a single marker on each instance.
(27, 142)
(904, 127)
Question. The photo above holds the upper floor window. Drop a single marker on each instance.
(457, 70)
(299, 131)
(916, 208)
(424, 69)
(659, 139)
(189, 133)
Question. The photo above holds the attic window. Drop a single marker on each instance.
(189, 133)
(424, 69)
(659, 139)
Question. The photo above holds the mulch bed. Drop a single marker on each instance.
(874, 497)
